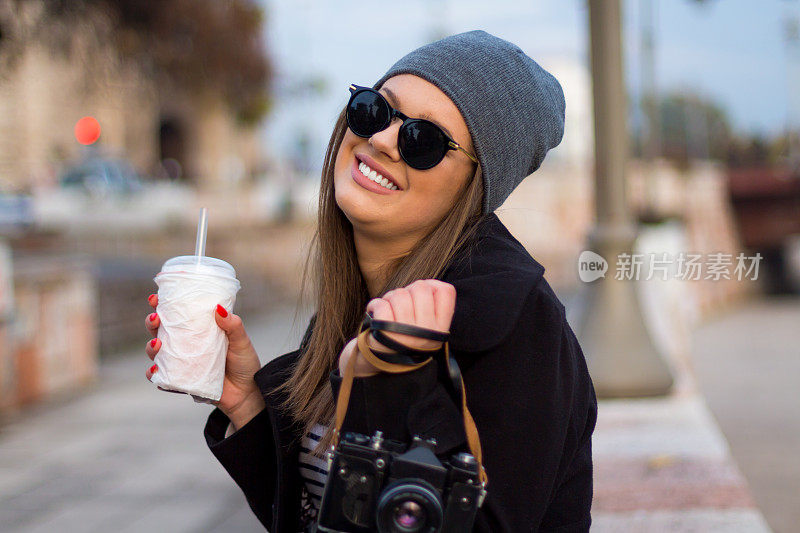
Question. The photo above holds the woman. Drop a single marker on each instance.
(406, 231)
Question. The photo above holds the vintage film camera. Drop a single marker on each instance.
(387, 486)
(377, 484)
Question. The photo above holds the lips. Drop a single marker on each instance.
(367, 183)
(373, 165)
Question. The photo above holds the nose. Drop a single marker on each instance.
(386, 140)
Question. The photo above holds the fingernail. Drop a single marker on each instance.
(150, 298)
(153, 369)
(153, 343)
(221, 310)
(152, 317)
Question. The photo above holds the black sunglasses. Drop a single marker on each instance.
(422, 143)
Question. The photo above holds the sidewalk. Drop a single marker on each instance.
(747, 364)
(125, 457)
(663, 464)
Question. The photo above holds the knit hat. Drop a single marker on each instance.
(513, 108)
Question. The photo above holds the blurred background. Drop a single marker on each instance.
(120, 119)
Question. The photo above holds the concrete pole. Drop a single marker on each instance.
(652, 143)
(649, 99)
(620, 354)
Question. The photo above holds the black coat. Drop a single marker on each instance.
(528, 390)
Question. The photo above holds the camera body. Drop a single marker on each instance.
(377, 484)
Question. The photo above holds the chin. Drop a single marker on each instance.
(348, 201)
(356, 202)
(357, 214)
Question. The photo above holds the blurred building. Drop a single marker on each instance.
(60, 62)
(46, 86)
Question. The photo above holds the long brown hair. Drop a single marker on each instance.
(341, 292)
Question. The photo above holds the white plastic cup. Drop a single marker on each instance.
(193, 347)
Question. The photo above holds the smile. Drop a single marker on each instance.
(377, 178)
(370, 179)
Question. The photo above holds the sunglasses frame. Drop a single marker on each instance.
(451, 144)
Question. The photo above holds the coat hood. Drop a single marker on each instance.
(493, 277)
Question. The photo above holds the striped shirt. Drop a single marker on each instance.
(313, 469)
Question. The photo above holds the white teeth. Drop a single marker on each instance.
(377, 178)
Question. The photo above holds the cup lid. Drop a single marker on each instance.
(205, 265)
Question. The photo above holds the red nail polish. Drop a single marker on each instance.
(153, 369)
(152, 317)
(153, 343)
(221, 310)
(150, 298)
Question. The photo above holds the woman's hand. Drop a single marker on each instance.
(241, 399)
(427, 303)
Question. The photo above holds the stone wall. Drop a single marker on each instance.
(49, 345)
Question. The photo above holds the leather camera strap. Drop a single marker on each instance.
(413, 360)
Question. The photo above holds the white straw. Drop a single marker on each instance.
(200, 244)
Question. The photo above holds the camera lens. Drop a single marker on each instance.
(409, 506)
(409, 516)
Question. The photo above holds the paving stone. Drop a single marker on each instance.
(125, 456)
(651, 426)
(693, 521)
(668, 482)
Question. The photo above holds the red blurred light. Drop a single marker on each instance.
(87, 130)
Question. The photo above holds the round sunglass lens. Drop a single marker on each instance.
(422, 144)
(367, 114)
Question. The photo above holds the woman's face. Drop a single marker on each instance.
(423, 197)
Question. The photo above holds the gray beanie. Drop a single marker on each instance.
(513, 108)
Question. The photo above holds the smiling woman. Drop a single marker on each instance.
(415, 167)
(390, 224)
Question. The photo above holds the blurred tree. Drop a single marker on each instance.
(646, 141)
(690, 126)
(761, 151)
(197, 46)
